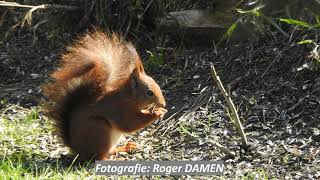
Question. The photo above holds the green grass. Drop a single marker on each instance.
(19, 166)
(28, 150)
(155, 60)
(259, 173)
(255, 18)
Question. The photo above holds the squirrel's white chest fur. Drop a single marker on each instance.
(115, 137)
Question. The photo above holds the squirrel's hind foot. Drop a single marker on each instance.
(128, 147)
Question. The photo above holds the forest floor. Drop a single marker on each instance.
(274, 83)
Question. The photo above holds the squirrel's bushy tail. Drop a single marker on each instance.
(94, 65)
(62, 100)
(71, 86)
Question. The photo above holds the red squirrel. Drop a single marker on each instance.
(100, 92)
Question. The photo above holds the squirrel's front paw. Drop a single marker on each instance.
(160, 112)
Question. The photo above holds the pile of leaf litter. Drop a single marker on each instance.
(273, 81)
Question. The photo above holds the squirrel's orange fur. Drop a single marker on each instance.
(100, 92)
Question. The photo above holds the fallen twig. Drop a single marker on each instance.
(238, 124)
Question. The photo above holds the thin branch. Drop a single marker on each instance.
(43, 6)
(238, 124)
(28, 15)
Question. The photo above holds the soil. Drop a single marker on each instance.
(272, 81)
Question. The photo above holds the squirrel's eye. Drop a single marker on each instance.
(150, 93)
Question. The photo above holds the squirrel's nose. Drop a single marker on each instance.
(162, 103)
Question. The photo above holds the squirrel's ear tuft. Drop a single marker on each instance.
(134, 78)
